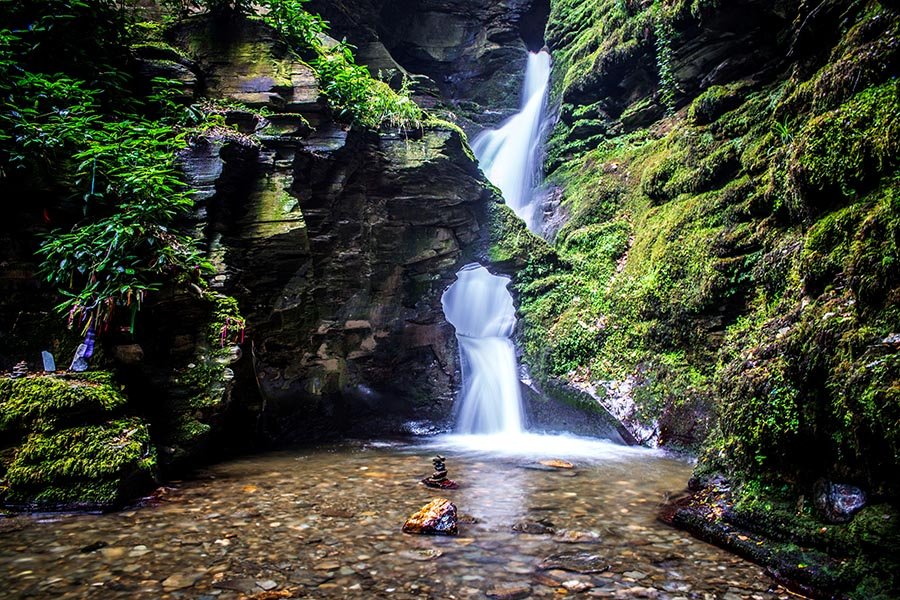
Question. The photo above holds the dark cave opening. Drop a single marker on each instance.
(532, 24)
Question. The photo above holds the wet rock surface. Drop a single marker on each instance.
(467, 53)
(577, 562)
(270, 524)
(438, 517)
(838, 502)
(336, 242)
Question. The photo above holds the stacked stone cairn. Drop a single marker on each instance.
(438, 479)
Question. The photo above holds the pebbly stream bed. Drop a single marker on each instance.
(325, 523)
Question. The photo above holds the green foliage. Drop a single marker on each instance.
(348, 86)
(96, 464)
(360, 98)
(135, 193)
(110, 153)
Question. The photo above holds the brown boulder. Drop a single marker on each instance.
(438, 517)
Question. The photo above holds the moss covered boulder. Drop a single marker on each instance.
(67, 444)
(47, 402)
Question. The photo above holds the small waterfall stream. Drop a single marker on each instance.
(478, 304)
(509, 155)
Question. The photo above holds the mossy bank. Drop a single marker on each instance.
(727, 180)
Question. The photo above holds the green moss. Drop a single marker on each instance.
(95, 464)
(714, 102)
(512, 244)
(595, 249)
(186, 434)
(838, 153)
(858, 558)
(739, 260)
(860, 241)
(203, 384)
(44, 401)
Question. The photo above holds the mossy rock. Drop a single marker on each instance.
(713, 103)
(514, 248)
(46, 401)
(88, 466)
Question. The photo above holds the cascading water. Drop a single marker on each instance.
(509, 155)
(478, 304)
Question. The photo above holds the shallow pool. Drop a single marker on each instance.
(325, 523)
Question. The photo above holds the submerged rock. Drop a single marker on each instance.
(509, 592)
(838, 502)
(557, 463)
(577, 562)
(534, 527)
(438, 517)
(577, 537)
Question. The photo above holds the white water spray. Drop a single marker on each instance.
(479, 306)
(509, 155)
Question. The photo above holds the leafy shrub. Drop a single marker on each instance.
(87, 134)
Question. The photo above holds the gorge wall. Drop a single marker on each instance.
(330, 247)
(723, 185)
(338, 244)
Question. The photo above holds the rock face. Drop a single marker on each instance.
(438, 517)
(337, 243)
(244, 61)
(472, 50)
(838, 502)
(706, 190)
(341, 253)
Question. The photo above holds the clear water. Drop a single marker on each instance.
(325, 523)
(509, 155)
(480, 308)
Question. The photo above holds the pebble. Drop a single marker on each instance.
(267, 584)
(573, 585)
(509, 592)
(638, 592)
(180, 581)
(579, 562)
(577, 537)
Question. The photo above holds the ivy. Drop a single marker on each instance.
(664, 34)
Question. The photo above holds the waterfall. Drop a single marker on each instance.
(509, 155)
(478, 304)
(480, 307)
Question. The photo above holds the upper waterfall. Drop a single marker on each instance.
(509, 154)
